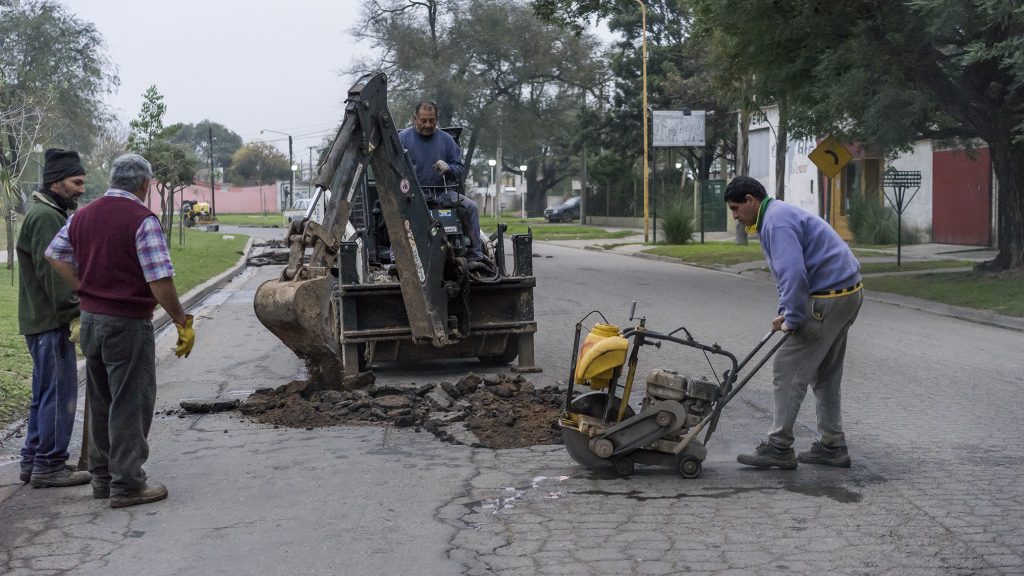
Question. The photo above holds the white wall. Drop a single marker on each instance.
(801, 173)
(919, 211)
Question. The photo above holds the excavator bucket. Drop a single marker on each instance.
(302, 314)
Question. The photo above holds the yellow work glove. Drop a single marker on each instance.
(186, 338)
(76, 330)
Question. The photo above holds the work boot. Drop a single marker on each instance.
(149, 493)
(768, 456)
(100, 489)
(66, 476)
(825, 456)
(25, 476)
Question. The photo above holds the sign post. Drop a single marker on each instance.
(900, 181)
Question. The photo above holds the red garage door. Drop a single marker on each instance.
(962, 197)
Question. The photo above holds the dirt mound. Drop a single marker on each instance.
(492, 412)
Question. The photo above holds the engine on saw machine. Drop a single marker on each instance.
(697, 395)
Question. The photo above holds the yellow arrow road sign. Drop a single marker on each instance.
(830, 156)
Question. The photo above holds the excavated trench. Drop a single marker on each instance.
(483, 411)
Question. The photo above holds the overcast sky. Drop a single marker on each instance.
(249, 65)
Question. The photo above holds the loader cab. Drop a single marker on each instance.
(442, 201)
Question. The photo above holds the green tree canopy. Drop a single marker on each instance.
(492, 67)
(54, 72)
(174, 165)
(891, 73)
(197, 137)
(259, 163)
(884, 74)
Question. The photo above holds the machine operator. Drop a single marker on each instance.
(438, 162)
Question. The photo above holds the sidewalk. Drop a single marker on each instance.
(634, 246)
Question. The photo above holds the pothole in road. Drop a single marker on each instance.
(500, 411)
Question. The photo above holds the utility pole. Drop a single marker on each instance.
(584, 209)
(291, 175)
(213, 194)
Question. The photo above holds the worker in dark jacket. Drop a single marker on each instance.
(47, 306)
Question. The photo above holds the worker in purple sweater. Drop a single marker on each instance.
(820, 293)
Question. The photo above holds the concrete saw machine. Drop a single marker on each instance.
(601, 429)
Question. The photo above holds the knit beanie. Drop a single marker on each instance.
(61, 164)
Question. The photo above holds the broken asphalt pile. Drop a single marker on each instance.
(267, 252)
(482, 411)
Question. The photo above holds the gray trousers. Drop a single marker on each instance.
(121, 384)
(813, 356)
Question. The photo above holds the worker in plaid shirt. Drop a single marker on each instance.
(113, 252)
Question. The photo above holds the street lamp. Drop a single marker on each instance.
(291, 176)
(522, 197)
(643, 57)
(497, 207)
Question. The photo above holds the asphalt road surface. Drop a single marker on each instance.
(932, 412)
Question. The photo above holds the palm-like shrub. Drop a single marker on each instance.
(678, 223)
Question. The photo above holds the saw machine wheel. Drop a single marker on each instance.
(689, 467)
(576, 443)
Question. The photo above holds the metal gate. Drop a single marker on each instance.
(962, 197)
(714, 206)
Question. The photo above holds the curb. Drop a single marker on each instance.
(938, 308)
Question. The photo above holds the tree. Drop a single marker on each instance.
(150, 122)
(49, 54)
(54, 73)
(19, 131)
(197, 137)
(174, 165)
(677, 79)
(259, 163)
(893, 73)
(513, 81)
(111, 142)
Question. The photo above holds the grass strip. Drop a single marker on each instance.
(1002, 293)
(723, 253)
(271, 220)
(885, 267)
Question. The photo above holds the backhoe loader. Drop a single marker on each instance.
(376, 270)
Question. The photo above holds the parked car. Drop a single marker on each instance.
(566, 212)
(298, 210)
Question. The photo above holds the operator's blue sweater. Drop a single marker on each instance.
(425, 151)
(805, 256)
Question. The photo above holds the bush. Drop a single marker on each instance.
(678, 224)
(873, 222)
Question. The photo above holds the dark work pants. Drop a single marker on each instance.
(121, 380)
(51, 415)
